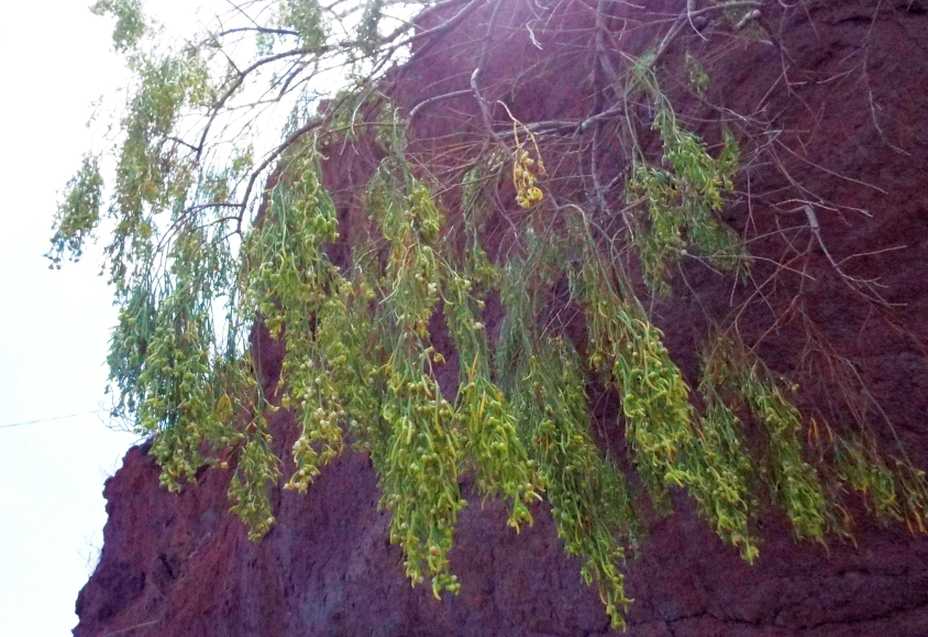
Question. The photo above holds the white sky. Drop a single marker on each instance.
(55, 61)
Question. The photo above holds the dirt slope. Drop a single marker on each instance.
(855, 99)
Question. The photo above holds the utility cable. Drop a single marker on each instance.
(52, 419)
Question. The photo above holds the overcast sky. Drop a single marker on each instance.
(55, 61)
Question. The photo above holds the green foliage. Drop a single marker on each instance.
(420, 482)
(722, 475)
(499, 457)
(794, 482)
(151, 174)
(668, 449)
(165, 360)
(482, 413)
(696, 73)
(654, 395)
(289, 280)
(368, 30)
(78, 214)
(862, 468)
(421, 468)
(589, 500)
(129, 348)
(353, 348)
(912, 485)
(130, 22)
(304, 17)
(545, 384)
(256, 472)
(683, 199)
(894, 489)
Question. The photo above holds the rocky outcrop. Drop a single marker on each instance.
(848, 81)
(183, 566)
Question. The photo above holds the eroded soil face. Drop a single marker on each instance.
(844, 82)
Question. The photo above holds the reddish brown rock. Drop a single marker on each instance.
(181, 565)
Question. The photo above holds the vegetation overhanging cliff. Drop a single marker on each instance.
(499, 270)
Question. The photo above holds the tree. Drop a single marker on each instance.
(538, 245)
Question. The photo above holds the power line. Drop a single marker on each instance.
(37, 421)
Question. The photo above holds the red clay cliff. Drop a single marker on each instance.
(848, 81)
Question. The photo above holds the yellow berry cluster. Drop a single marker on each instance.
(527, 166)
(525, 173)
